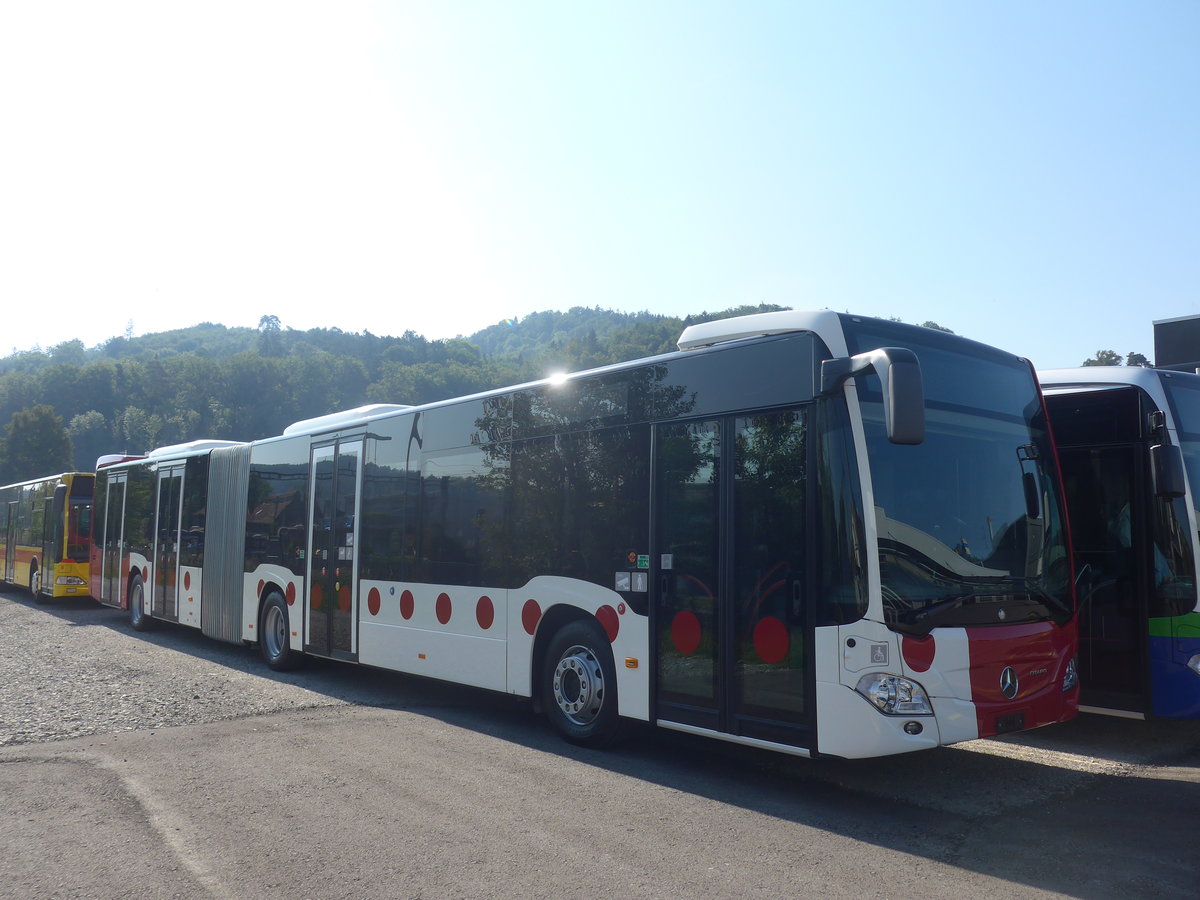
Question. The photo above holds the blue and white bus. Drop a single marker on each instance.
(1129, 444)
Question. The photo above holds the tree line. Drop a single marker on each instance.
(67, 405)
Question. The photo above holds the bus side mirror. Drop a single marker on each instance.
(1166, 465)
(900, 378)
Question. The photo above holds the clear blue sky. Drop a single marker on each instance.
(1027, 174)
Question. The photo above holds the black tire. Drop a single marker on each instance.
(274, 635)
(579, 685)
(35, 584)
(139, 619)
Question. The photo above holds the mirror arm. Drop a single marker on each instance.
(900, 379)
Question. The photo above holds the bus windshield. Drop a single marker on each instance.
(969, 522)
(1183, 393)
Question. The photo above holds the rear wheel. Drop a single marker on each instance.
(579, 685)
(138, 617)
(274, 635)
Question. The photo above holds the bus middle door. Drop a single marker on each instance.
(166, 544)
(331, 613)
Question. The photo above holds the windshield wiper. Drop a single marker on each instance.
(913, 616)
(1034, 586)
(1005, 590)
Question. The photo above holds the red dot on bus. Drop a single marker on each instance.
(485, 613)
(607, 617)
(918, 652)
(290, 594)
(261, 584)
(344, 598)
(187, 581)
(406, 604)
(317, 596)
(146, 574)
(443, 608)
(531, 614)
(685, 632)
(771, 640)
(373, 601)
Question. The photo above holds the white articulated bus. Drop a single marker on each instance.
(812, 532)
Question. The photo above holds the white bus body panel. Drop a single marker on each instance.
(254, 583)
(632, 640)
(189, 597)
(140, 564)
(847, 724)
(460, 650)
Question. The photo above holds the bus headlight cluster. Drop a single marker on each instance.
(1194, 664)
(893, 695)
(1071, 676)
(69, 579)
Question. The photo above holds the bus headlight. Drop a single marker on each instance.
(893, 695)
(69, 579)
(1071, 676)
(1194, 664)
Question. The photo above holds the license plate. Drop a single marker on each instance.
(1011, 722)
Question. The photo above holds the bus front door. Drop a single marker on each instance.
(331, 611)
(1105, 499)
(729, 562)
(52, 539)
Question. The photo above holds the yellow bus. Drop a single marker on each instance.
(45, 535)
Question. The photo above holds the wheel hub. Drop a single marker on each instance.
(275, 632)
(579, 685)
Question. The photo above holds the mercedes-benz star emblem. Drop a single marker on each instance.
(1008, 683)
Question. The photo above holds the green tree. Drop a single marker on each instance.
(138, 429)
(1104, 358)
(1113, 358)
(35, 444)
(269, 341)
(91, 438)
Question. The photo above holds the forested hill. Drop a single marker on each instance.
(63, 406)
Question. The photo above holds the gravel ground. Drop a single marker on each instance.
(73, 669)
(60, 678)
(1097, 807)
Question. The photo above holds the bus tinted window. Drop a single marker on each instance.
(277, 506)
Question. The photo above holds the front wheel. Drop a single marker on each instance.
(579, 685)
(274, 636)
(137, 606)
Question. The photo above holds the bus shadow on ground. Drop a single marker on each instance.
(1093, 808)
